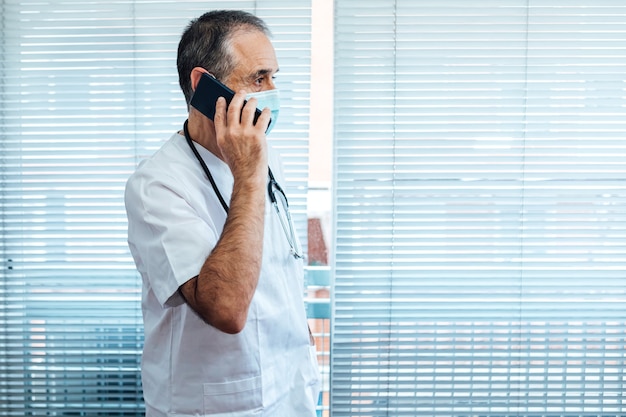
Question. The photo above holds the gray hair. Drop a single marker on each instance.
(206, 43)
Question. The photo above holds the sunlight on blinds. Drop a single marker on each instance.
(88, 89)
(480, 188)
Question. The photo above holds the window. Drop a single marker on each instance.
(479, 187)
(88, 89)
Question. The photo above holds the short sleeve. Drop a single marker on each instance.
(168, 238)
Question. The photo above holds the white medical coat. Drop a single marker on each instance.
(190, 368)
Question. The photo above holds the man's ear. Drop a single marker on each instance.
(195, 76)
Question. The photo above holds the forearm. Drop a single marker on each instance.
(222, 292)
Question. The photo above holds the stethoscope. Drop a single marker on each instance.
(272, 188)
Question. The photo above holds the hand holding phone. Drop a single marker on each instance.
(240, 144)
(208, 90)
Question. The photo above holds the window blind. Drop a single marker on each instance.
(88, 89)
(480, 167)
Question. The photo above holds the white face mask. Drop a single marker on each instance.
(269, 99)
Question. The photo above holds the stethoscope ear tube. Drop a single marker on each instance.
(212, 181)
(204, 167)
(272, 184)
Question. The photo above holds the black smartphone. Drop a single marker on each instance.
(208, 90)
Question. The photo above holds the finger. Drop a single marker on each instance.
(219, 120)
(248, 112)
(234, 108)
(264, 119)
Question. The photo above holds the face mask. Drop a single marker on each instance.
(269, 99)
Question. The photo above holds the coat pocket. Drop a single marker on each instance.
(233, 397)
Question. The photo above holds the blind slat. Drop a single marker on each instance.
(480, 254)
(87, 90)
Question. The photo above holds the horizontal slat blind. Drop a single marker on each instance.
(480, 265)
(88, 89)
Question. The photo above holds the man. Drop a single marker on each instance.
(225, 328)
